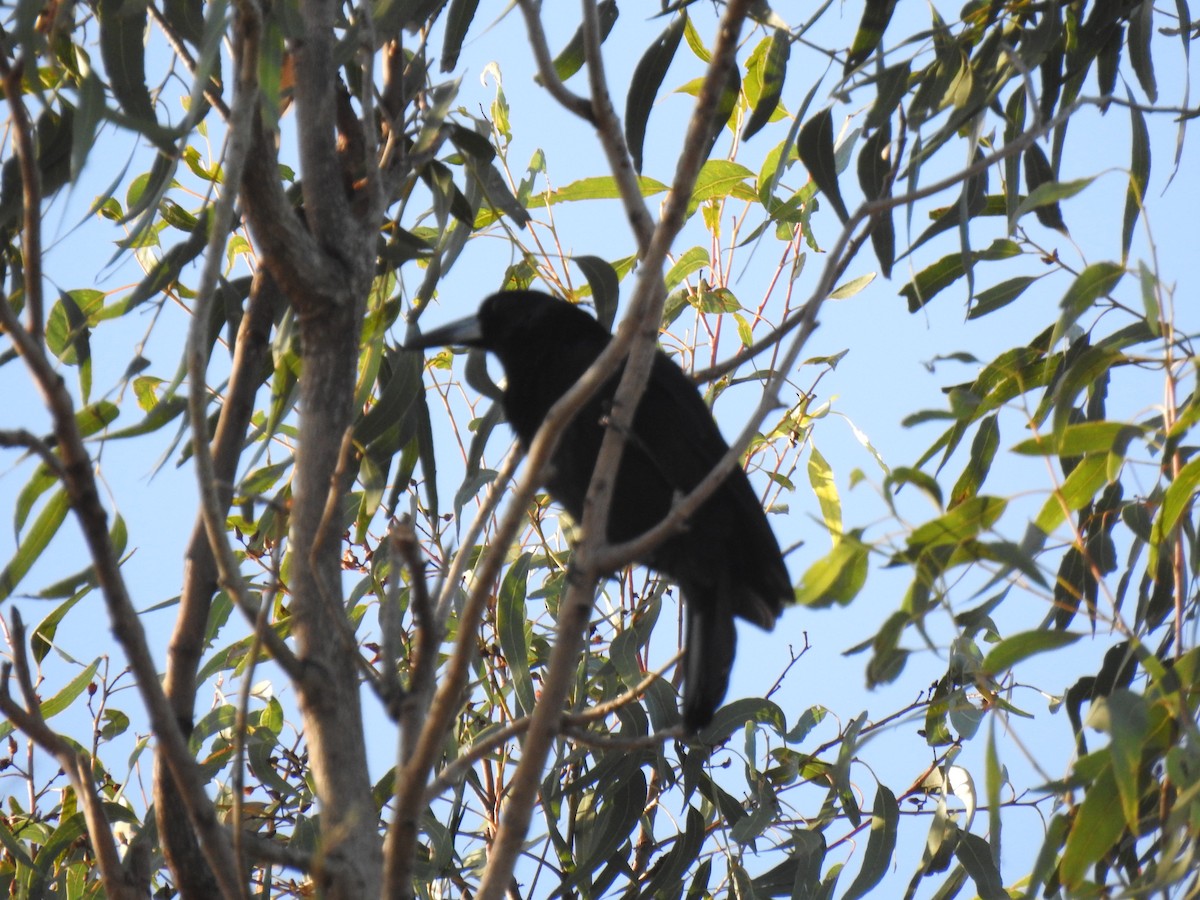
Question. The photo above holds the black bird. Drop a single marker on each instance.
(726, 560)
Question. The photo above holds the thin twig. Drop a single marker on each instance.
(19, 437)
(76, 766)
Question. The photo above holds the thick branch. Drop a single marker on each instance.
(201, 573)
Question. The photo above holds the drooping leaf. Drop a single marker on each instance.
(572, 57)
(643, 87)
(1038, 172)
(815, 146)
(1097, 280)
(605, 285)
(881, 844)
(1139, 177)
(35, 541)
(511, 622)
(458, 20)
(773, 72)
(875, 18)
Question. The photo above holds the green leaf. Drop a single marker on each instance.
(163, 412)
(691, 261)
(42, 638)
(983, 451)
(1098, 825)
(1176, 499)
(1076, 492)
(975, 856)
(820, 476)
(848, 289)
(458, 20)
(511, 622)
(1141, 30)
(599, 187)
(836, 577)
(1081, 439)
(643, 87)
(1012, 650)
(1126, 716)
(875, 18)
(36, 539)
(719, 178)
(771, 67)
(997, 297)
(961, 523)
(947, 270)
(573, 56)
(606, 288)
(1097, 280)
(1050, 193)
(815, 146)
(1139, 174)
(68, 694)
(96, 417)
(123, 49)
(881, 844)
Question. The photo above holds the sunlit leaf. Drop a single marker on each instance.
(35, 541)
(1012, 650)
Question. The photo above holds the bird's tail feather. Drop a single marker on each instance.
(708, 656)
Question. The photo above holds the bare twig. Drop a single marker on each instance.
(19, 437)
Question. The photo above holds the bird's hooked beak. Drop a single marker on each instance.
(467, 332)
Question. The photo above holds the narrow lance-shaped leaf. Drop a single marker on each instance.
(875, 18)
(602, 279)
(1038, 172)
(774, 70)
(458, 20)
(510, 623)
(573, 56)
(44, 527)
(1098, 825)
(975, 855)
(643, 88)
(1141, 30)
(885, 815)
(1139, 177)
(815, 146)
(874, 176)
(1096, 281)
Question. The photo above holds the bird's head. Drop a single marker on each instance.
(511, 324)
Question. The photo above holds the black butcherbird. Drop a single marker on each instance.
(726, 560)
